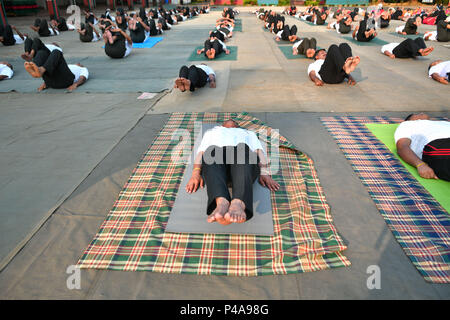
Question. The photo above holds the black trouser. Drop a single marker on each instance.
(227, 169)
(437, 155)
(197, 76)
(88, 36)
(216, 45)
(331, 70)
(43, 29)
(217, 34)
(409, 48)
(384, 23)
(138, 35)
(57, 73)
(343, 28)
(153, 30)
(443, 33)
(307, 44)
(288, 32)
(117, 49)
(37, 45)
(8, 35)
(360, 35)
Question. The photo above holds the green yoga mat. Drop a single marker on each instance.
(439, 189)
(221, 57)
(374, 42)
(287, 51)
(238, 25)
(411, 36)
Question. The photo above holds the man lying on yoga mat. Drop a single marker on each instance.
(213, 47)
(6, 70)
(333, 67)
(53, 69)
(32, 46)
(226, 154)
(410, 27)
(305, 46)
(440, 71)
(8, 38)
(425, 144)
(408, 48)
(442, 32)
(366, 30)
(287, 34)
(196, 76)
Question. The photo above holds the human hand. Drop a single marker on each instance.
(195, 182)
(426, 172)
(269, 183)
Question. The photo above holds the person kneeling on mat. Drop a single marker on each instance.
(196, 76)
(52, 67)
(425, 144)
(333, 67)
(226, 154)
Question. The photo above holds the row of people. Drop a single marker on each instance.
(223, 31)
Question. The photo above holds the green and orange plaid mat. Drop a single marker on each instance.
(133, 236)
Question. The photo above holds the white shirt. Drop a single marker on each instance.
(422, 132)
(78, 72)
(19, 40)
(295, 45)
(441, 68)
(315, 66)
(389, 47)
(52, 47)
(208, 70)
(222, 137)
(6, 71)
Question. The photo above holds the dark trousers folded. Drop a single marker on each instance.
(331, 70)
(57, 73)
(237, 166)
(437, 155)
(197, 76)
(409, 48)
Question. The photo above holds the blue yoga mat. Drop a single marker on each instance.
(148, 43)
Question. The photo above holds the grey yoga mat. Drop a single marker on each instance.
(188, 214)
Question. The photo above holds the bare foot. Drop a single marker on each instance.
(27, 57)
(32, 69)
(426, 51)
(186, 83)
(179, 84)
(356, 60)
(219, 212)
(347, 65)
(236, 212)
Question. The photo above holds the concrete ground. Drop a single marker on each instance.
(65, 158)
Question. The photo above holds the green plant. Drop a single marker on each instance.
(250, 2)
(284, 3)
(311, 3)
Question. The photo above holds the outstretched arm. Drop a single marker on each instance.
(438, 78)
(313, 77)
(265, 179)
(405, 152)
(196, 180)
(77, 84)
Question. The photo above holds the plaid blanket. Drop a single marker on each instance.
(133, 235)
(417, 220)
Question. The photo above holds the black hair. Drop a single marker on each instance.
(409, 117)
(317, 51)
